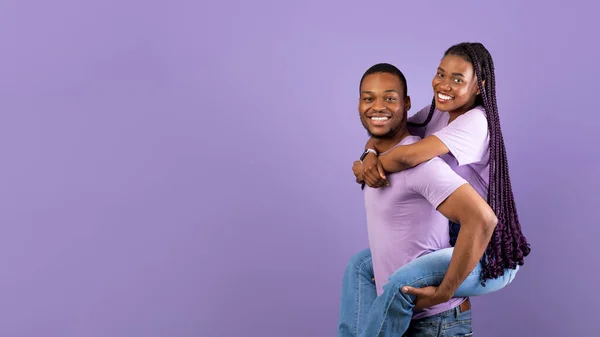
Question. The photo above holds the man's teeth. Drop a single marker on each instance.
(444, 97)
(379, 119)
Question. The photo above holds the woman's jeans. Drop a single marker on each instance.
(365, 314)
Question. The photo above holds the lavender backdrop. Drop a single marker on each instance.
(182, 168)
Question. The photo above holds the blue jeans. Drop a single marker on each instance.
(451, 323)
(365, 314)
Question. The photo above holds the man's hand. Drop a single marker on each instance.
(427, 296)
(373, 173)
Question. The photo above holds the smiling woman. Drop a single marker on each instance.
(455, 86)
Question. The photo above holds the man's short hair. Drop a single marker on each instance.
(388, 69)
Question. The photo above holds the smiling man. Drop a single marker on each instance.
(406, 220)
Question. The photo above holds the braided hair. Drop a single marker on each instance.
(508, 246)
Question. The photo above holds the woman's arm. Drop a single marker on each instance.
(370, 170)
(406, 156)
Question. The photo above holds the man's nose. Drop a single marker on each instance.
(379, 105)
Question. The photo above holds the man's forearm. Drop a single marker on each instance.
(472, 241)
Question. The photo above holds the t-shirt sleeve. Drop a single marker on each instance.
(418, 118)
(434, 180)
(467, 137)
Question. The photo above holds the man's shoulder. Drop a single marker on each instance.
(429, 169)
(410, 139)
(432, 165)
(435, 180)
(435, 169)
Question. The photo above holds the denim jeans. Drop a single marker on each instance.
(358, 294)
(451, 323)
(364, 314)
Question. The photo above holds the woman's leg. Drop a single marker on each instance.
(358, 294)
(391, 312)
(433, 267)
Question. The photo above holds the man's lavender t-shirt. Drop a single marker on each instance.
(467, 138)
(403, 222)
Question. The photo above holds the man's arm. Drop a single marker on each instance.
(477, 223)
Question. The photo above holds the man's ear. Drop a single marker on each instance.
(407, 103)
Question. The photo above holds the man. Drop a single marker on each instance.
(409, 219)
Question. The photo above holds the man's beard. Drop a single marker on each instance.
(388, 135)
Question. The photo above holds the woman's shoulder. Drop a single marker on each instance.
(478, 110)
(475, 115)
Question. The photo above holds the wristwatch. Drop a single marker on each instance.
(367, 151)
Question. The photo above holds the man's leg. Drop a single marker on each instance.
(358, 294)
(452, 323)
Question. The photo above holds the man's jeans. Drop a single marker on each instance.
(451, 323)
(364, 314)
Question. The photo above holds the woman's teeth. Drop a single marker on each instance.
(444, 97)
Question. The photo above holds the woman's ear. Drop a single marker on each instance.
(483, 85)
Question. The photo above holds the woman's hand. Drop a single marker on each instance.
(357, 169)
(370, 171)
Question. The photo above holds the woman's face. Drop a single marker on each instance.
(455, 85)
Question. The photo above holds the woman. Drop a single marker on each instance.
(463, 128)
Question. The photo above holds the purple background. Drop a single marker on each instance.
(181, 168)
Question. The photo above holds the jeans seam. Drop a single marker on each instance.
(358, 279)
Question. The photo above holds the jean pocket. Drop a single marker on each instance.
(458, 328)
(423, 329)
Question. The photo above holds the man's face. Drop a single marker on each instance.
(382, 105)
